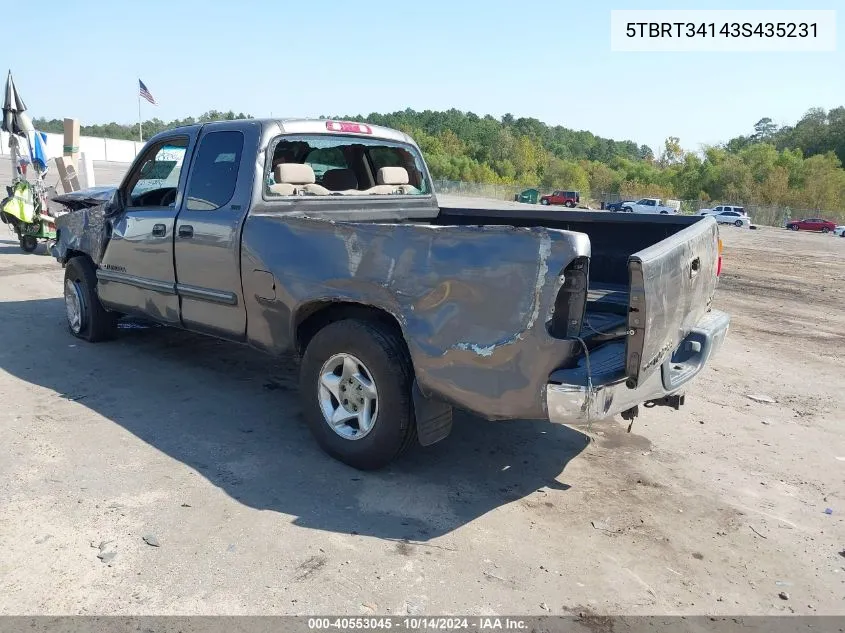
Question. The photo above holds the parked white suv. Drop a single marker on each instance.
(732, 217)
(723, 208)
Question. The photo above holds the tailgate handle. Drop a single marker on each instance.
(694, 267)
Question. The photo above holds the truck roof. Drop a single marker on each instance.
(322, 126)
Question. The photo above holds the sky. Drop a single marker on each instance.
(533, 58)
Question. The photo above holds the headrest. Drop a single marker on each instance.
(293, 174)
(340, 179)
(392, 176)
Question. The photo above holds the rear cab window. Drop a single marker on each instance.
(319, 165)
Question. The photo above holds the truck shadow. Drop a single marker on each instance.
(232, 414)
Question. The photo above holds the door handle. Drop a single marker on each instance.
(186, 230)
(159, 230)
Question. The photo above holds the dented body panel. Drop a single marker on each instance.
(474, 318)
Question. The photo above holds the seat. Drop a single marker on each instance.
(391, 180)
(294, 179)
(341, 181)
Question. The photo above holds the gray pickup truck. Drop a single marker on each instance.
(325, 238)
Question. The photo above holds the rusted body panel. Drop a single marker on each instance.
(472, 302)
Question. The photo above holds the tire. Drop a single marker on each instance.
(792, 227)
(571, 205)
(825, 230)
(28, 243)
(94, 322)
(544, 202)
(379, 355)
(627, 209)
(738, 223)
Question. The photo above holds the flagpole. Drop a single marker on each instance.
(140, 132)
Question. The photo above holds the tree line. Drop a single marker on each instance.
(796, 166)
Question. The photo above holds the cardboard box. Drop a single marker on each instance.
(71, 148)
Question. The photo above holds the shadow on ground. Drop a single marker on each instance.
(232, 414)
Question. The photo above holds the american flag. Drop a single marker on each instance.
(146, 93)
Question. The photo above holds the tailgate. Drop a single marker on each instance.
(672, 287)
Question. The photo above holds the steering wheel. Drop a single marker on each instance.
(169, 198)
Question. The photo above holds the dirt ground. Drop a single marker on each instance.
(199, 446)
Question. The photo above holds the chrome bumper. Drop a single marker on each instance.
(568, 404)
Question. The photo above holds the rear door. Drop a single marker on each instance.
(136, 272)
(672, 287)
(208, 229)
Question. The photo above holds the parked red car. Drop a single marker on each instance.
(566, 198)
(811, 224)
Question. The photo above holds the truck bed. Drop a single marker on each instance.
(644, 289)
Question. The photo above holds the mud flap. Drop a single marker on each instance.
(434, 418)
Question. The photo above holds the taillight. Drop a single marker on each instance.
(719, 261)
(346, 126)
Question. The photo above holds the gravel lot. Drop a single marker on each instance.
(199, 446)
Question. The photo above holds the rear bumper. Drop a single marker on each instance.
(567, 403)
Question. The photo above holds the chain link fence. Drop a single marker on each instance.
(766, 215)
(479, 190)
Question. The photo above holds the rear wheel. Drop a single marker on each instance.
(356, 382)
(570, 204)
(825, 230)
(86, 317)
(28, 243)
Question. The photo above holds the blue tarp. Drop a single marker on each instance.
(39, 150)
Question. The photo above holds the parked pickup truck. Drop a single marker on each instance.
(615, 207)
(652, 205)
(325, 238)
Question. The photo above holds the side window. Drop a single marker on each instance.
(214, 173)
(156, 181)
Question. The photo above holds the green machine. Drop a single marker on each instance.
(529, 196)
(25, 211)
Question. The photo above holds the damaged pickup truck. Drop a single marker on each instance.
(325, 238)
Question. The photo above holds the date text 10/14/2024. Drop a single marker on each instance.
(417, 624)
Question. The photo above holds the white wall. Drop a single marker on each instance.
(100, 149)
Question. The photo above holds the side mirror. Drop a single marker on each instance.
(115, 204)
